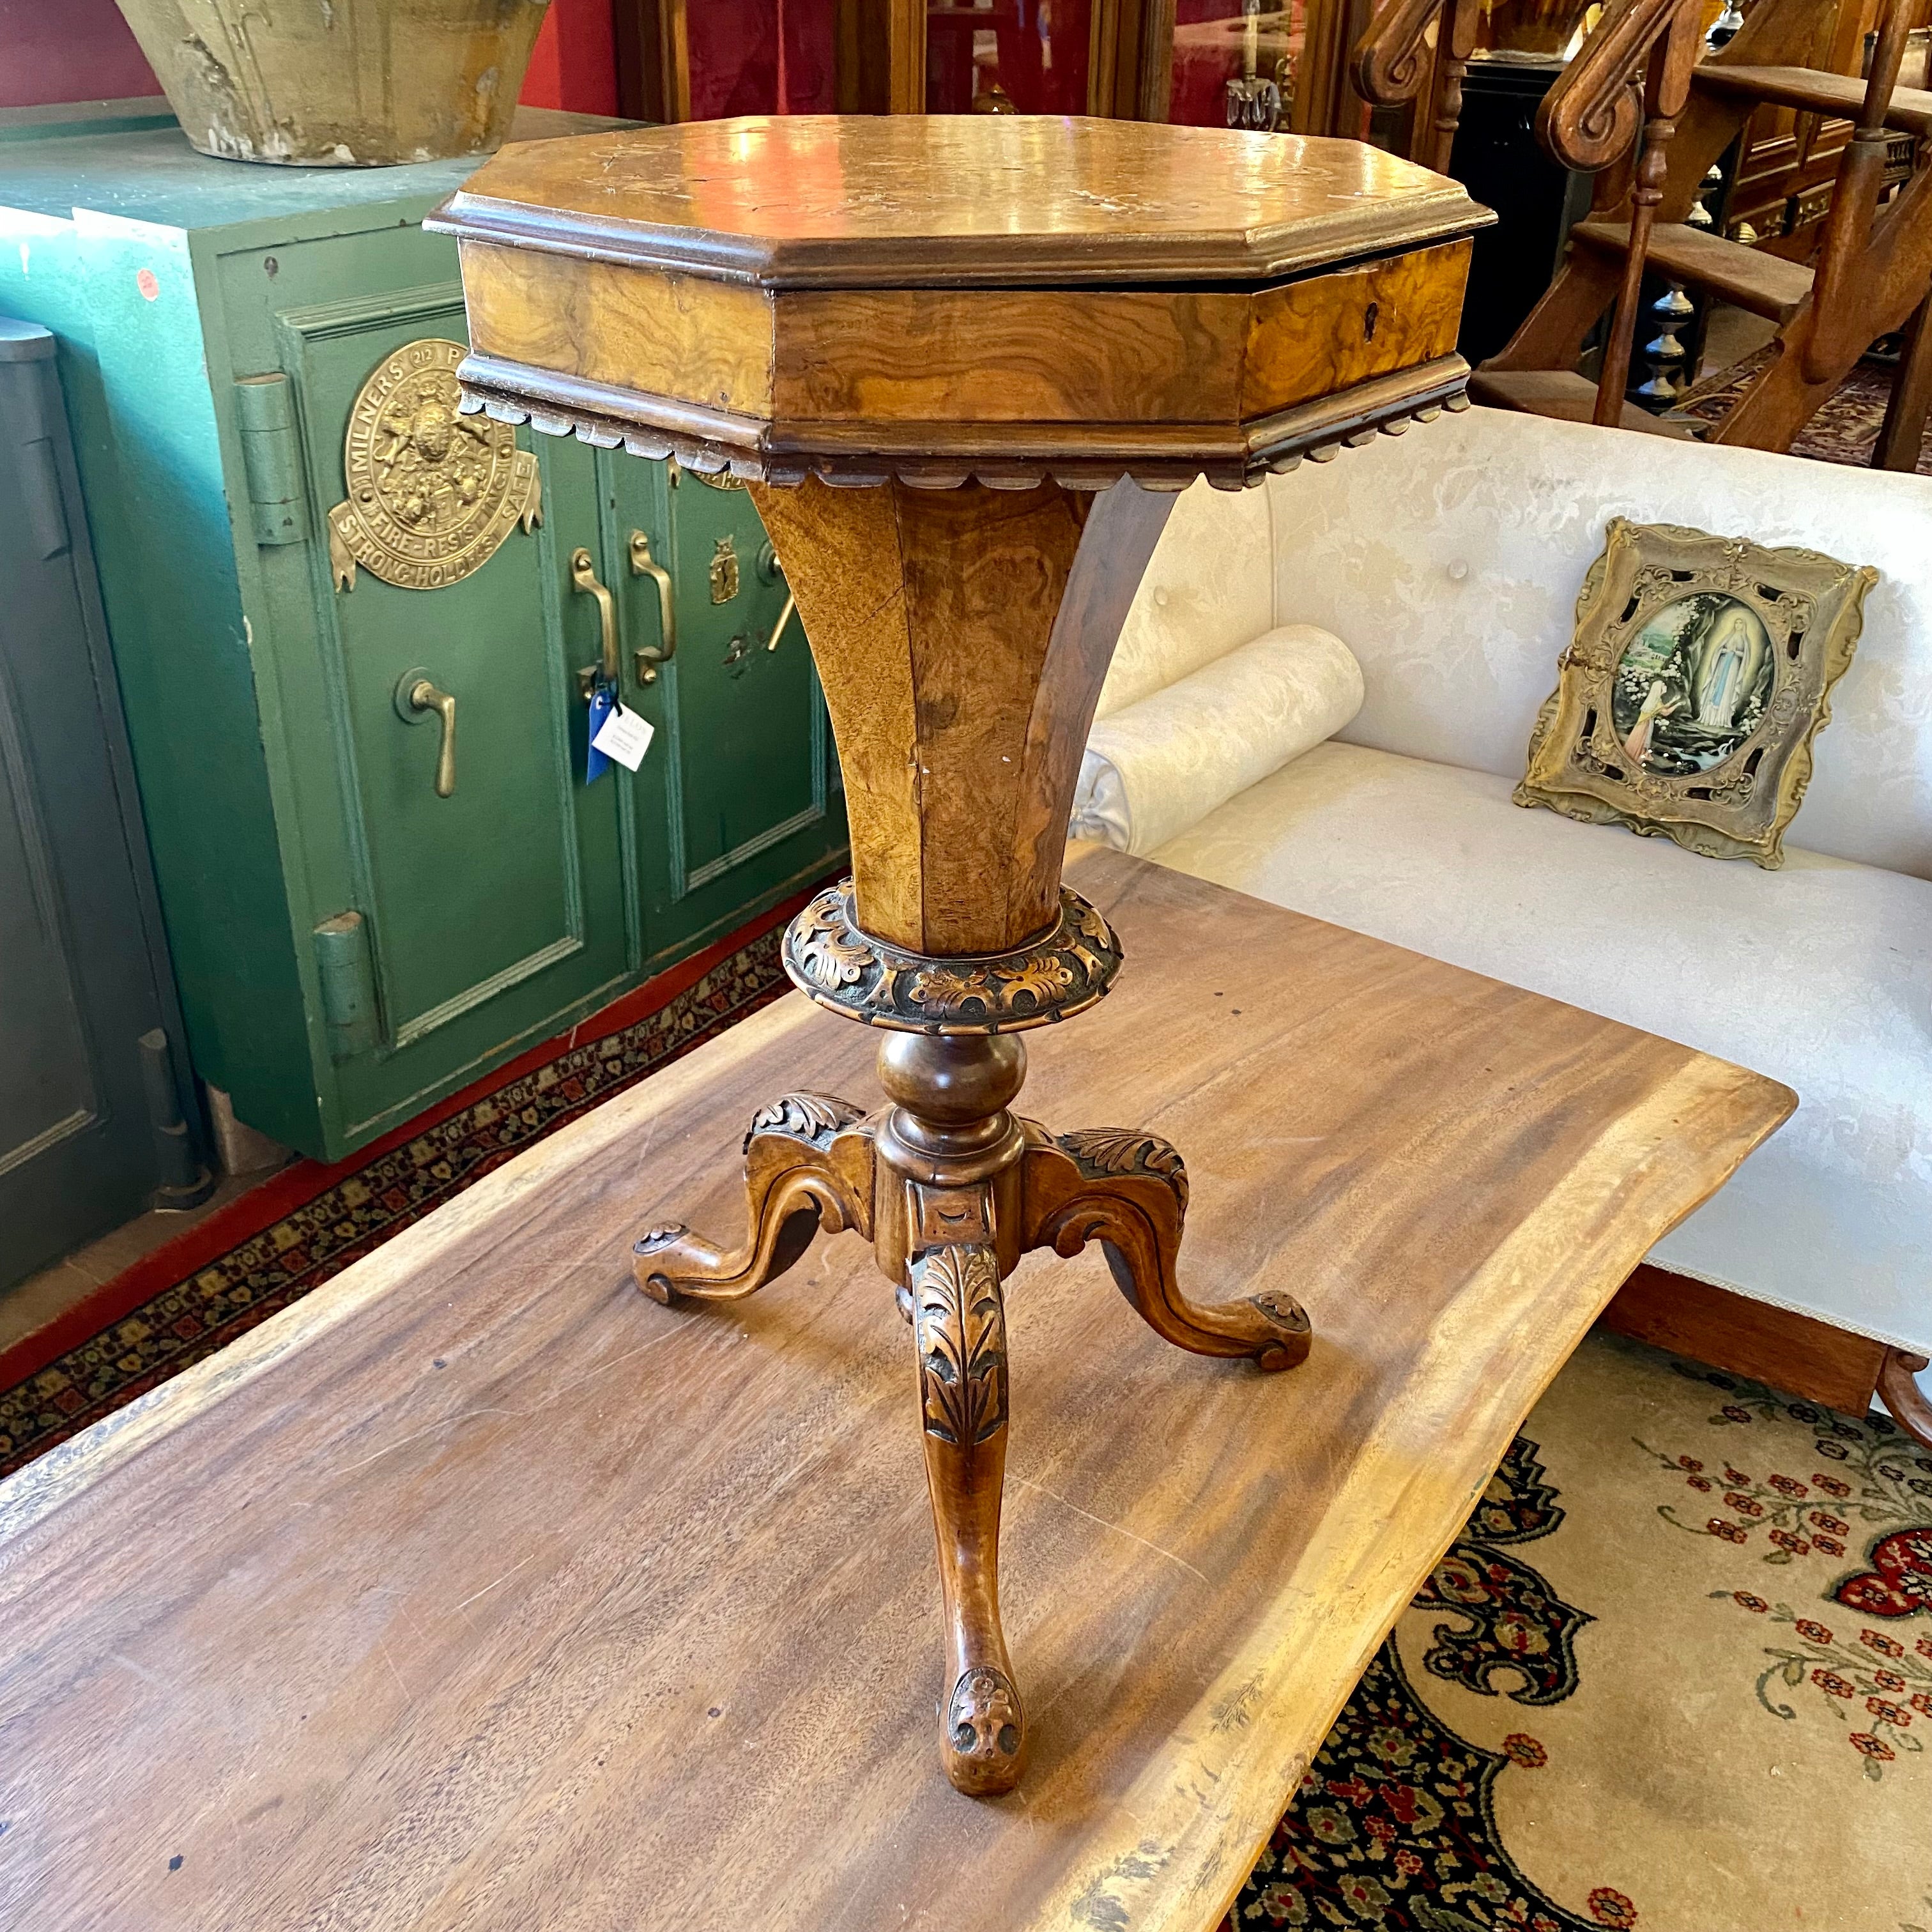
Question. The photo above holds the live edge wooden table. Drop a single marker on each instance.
(474, 1594)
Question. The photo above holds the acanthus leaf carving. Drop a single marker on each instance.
(816, 1117)
(959, 1323)
(1102, 1151)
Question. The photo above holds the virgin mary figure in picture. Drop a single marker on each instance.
(1692, 684)
(1730, 659)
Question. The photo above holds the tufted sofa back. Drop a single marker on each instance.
(1449, 561)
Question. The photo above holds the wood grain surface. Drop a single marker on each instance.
(930, 298)
(806, 201)
(1329, 332)
(476, 1591)
(801, 358)
(1796, 1353)
(961, 637)
(1010, 355)
(690, 336)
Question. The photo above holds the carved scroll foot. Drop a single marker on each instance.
(959, 1325)
(1128, 1190)
(808, 1169)
(1898, 1389)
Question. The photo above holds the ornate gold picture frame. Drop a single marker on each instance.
(1699, 671)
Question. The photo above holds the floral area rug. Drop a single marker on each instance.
(193, 1315)
(1844, 430)
(1676, 1674)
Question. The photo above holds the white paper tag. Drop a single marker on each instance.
(625, 737)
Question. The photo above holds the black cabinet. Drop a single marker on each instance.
(1498, 159)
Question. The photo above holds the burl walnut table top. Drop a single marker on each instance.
(475, 1591)
(865, 200)
(933, 297)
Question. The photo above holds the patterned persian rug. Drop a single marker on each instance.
(1845, 430)
(196, 1308)
(1676, 1674)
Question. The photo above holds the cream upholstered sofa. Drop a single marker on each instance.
(1449, 560)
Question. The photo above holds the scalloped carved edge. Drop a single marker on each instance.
(832, 960)
(944, 456)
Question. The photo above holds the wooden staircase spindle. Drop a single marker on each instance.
(1855, 205)
(1392, 61)
(1456, 43)
(1666, 89)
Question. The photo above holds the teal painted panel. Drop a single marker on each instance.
(185, 656)
(462, 912)
(734, 799)
(283, 791)
(465, 890)
(494, 915)
(143, 169)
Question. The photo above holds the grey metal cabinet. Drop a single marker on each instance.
(92, 1126)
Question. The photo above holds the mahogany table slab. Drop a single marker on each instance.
(963, 364)
(473, 1591)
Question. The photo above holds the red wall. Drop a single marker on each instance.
(82, 50)
(575, 64)
(77, 50)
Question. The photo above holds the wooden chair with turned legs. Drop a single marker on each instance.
(1640, 109)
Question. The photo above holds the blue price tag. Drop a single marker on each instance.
(603, 702)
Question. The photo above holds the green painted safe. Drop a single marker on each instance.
(372, 895)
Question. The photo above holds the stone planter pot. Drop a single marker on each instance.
(340, 83)
(1529, 26)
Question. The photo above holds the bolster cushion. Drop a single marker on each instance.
(1158, 766)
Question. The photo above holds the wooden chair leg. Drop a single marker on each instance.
(1898, 1389)
(1902, 436)
(959, 1324)
(1128, 1190)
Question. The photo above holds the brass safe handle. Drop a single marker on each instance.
(643, 564)
(583, 578)
(423, 696)
(784, 618)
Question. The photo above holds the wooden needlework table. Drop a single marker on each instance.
(473, 1591)
(963, 364)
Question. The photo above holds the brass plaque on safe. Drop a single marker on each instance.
(432, 493)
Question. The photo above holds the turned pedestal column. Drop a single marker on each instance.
(963, 364)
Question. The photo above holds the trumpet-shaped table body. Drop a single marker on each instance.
(963, 364)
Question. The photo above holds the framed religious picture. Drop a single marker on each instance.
(1700, 671)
